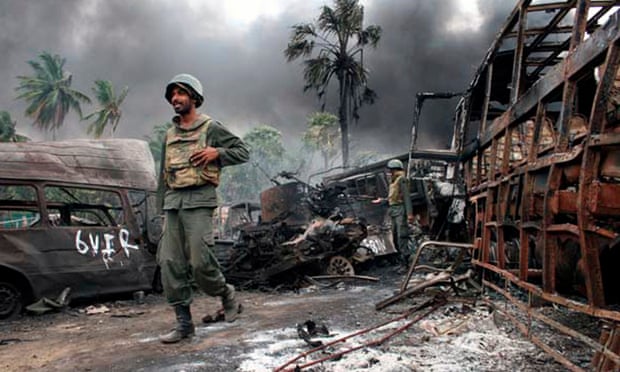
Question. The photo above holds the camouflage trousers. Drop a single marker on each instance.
(400, 231)
(186, 256)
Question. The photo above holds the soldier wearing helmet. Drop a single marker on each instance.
(196, 148)
(400, 209)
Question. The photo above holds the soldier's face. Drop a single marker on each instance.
(181, 101)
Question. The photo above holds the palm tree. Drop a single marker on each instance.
(340, 39)
(109, 112)
(48, 93)
(7, 129)
(322, 135)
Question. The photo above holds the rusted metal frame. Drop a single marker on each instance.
(433, 243)
(417, 108)
(568, 104)
(526, 330)
(555, 158)
(468, 172)
(596, 346)
(583, 56)
(497, 42)
(505, 166)
(421, 306)
(588, 175)
(570, 84)
(563, 10)
(462, 120)
(441, 278)
(500, 212)
(479, 165)
(580, 23)
(517, 63)
(366, 344)
(563, 228)
(560, 300)
(566, 44)
(549, 243)
(486, 227)
(492, 176)
(526, 200)
(501, 206)
(598, 359)
(550, 6)
(540, 62)
(514, 189)
(487, 99)
(478, 227)
(535, 31)
(537, 341)
(606, 139)
(613, 343)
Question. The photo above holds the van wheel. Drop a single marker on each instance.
(10, 301)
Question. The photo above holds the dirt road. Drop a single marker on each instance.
(265, 336)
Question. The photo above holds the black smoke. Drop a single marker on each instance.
(142, 44)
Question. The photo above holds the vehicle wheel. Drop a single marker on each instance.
(339, 265)
(10, 301)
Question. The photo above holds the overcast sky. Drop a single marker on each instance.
(235, 47)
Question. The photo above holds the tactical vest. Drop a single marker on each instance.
(180, 145)
(395, 196)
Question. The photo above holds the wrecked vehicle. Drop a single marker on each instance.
(76, 214)
(301, 229)
(437, 203)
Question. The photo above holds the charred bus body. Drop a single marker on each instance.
(538, 136)
(76, 214)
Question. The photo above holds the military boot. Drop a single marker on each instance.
(184, 328)
(231, 307)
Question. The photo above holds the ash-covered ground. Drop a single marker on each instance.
(122, 335)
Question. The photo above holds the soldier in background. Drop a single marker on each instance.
(196, 148)
(400, 209)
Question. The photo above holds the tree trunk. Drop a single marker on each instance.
(344, 121)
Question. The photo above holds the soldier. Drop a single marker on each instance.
(400, 209)
(196, 147)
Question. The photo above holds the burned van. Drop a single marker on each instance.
(76, 214)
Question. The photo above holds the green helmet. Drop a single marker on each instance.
(188, 82)
(395, 164)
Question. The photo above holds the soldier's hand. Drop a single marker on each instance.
(204, 156)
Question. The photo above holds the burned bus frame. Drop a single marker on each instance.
(538, 133)
(77, 214)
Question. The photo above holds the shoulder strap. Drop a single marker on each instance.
(203, 131)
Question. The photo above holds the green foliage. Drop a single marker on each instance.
(339, 38)
(109, 112)
(48, 93)
(322, 135)
(7, 129)
(245, 182)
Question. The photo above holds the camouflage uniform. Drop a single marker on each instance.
(186, 252)
(399, 208)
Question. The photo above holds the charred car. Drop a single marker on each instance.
(76, 214)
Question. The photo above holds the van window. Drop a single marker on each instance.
(76, 206)
(18, 207)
